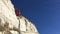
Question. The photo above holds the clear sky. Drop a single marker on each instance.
(45, 14)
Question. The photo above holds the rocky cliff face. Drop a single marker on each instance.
(10, 23)
(7, 13)
(26, 27)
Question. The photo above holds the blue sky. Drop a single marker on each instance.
(45, 14)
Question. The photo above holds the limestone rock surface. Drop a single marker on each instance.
(27, 27)
(12, 24)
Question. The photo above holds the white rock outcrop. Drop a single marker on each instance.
(11, 24)
(7, 13)
(26, 27)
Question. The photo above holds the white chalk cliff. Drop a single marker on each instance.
(12, 24)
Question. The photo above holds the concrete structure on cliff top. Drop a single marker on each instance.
(12, 24)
